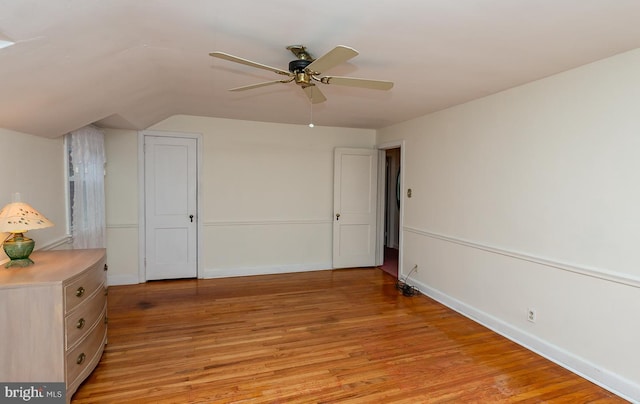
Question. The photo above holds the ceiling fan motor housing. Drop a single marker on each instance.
(298, 65)
(297, 68)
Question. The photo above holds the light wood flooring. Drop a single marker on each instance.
(344, 336)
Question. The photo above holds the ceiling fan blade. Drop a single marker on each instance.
(334, 57)
(314, 94)
(355, 82)
(236, 59)
(257, 85)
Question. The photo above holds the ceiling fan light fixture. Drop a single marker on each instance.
(303, 78)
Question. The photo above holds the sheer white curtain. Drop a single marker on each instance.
(88, 160)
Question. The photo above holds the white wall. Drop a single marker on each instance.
(530, 199)
(267, 197)
(34, 167)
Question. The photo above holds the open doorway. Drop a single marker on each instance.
(392, 197)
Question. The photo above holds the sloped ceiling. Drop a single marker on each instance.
(130, 64)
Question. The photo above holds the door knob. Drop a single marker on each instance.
(191, 218)
(337, 216)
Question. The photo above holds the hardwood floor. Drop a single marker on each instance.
(314, 337)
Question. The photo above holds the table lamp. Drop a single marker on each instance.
(17, 218)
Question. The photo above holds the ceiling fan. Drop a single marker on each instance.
(305, 69)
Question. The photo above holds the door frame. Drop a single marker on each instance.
(397, 144)
(142, 254)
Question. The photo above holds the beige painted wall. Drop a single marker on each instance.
(121, 199)
(529, 199)
(267, 195)
(34, 167)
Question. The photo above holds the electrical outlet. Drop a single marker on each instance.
(532, 315)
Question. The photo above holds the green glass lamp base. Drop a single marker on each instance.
(18, 250)
(24, 262)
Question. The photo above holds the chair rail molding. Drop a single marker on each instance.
(604, 274)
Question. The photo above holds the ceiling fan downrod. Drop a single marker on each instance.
(301, 52)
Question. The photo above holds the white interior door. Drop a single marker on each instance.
(170, 207)
(354, 202)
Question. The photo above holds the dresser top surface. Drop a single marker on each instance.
(51, 267)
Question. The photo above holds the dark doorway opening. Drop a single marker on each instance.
(392, 211)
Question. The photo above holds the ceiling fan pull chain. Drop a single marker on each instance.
(311, 125)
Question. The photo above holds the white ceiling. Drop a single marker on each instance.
(131, 63)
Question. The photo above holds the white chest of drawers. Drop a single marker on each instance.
(53, 324)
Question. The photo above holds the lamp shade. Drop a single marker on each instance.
(19, 217)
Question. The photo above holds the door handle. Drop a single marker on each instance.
(337, 216)
(191, 218)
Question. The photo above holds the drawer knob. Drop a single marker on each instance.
(80, 292)
(80, 324)
(81, 358)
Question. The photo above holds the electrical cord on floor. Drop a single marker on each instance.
(407, 290)
(402, 285)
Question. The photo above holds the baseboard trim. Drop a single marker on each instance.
(606, 379)
(267, 222)
(113, 280)
(211, 273)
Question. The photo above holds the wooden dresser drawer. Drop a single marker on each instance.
(80, 321)
(84, 286)
(83, 356)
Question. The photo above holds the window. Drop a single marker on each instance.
(70, 186)
(85, 170)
